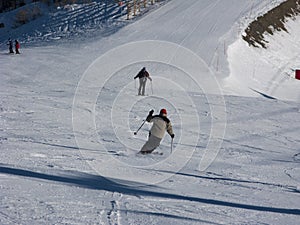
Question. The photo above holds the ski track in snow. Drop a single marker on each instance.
(112, 215)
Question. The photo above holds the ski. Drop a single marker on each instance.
(150, 153)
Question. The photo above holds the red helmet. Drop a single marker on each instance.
(163, 111)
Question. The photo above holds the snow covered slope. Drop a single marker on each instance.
(64, 22)
(68, 111)
(270, 71)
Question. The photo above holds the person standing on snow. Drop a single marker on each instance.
(10, 46)
(17, 46)
(143, 75)
(161, 124)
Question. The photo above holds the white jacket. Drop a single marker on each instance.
(161, 124)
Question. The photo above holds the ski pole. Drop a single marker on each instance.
(171, 145)
(151, 87)
(135, 133)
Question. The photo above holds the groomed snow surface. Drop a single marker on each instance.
(69, 108)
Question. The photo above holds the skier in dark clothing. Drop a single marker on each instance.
(17, 46)
(161, 124)
(143, 75)
(10, 46)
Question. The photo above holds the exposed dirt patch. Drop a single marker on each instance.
(273, 20)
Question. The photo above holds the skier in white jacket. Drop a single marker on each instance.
(161, 124)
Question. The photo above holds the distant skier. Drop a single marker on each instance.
(161, 124)
(143, 75)
(10, 46)
(17, 46)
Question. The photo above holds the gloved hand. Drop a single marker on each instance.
(172, 136)
(151, 112)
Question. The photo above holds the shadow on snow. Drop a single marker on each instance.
(97, 182)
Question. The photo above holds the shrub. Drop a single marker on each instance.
(269, 22)
(26, 15)
(35, 13)
(22, 17)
